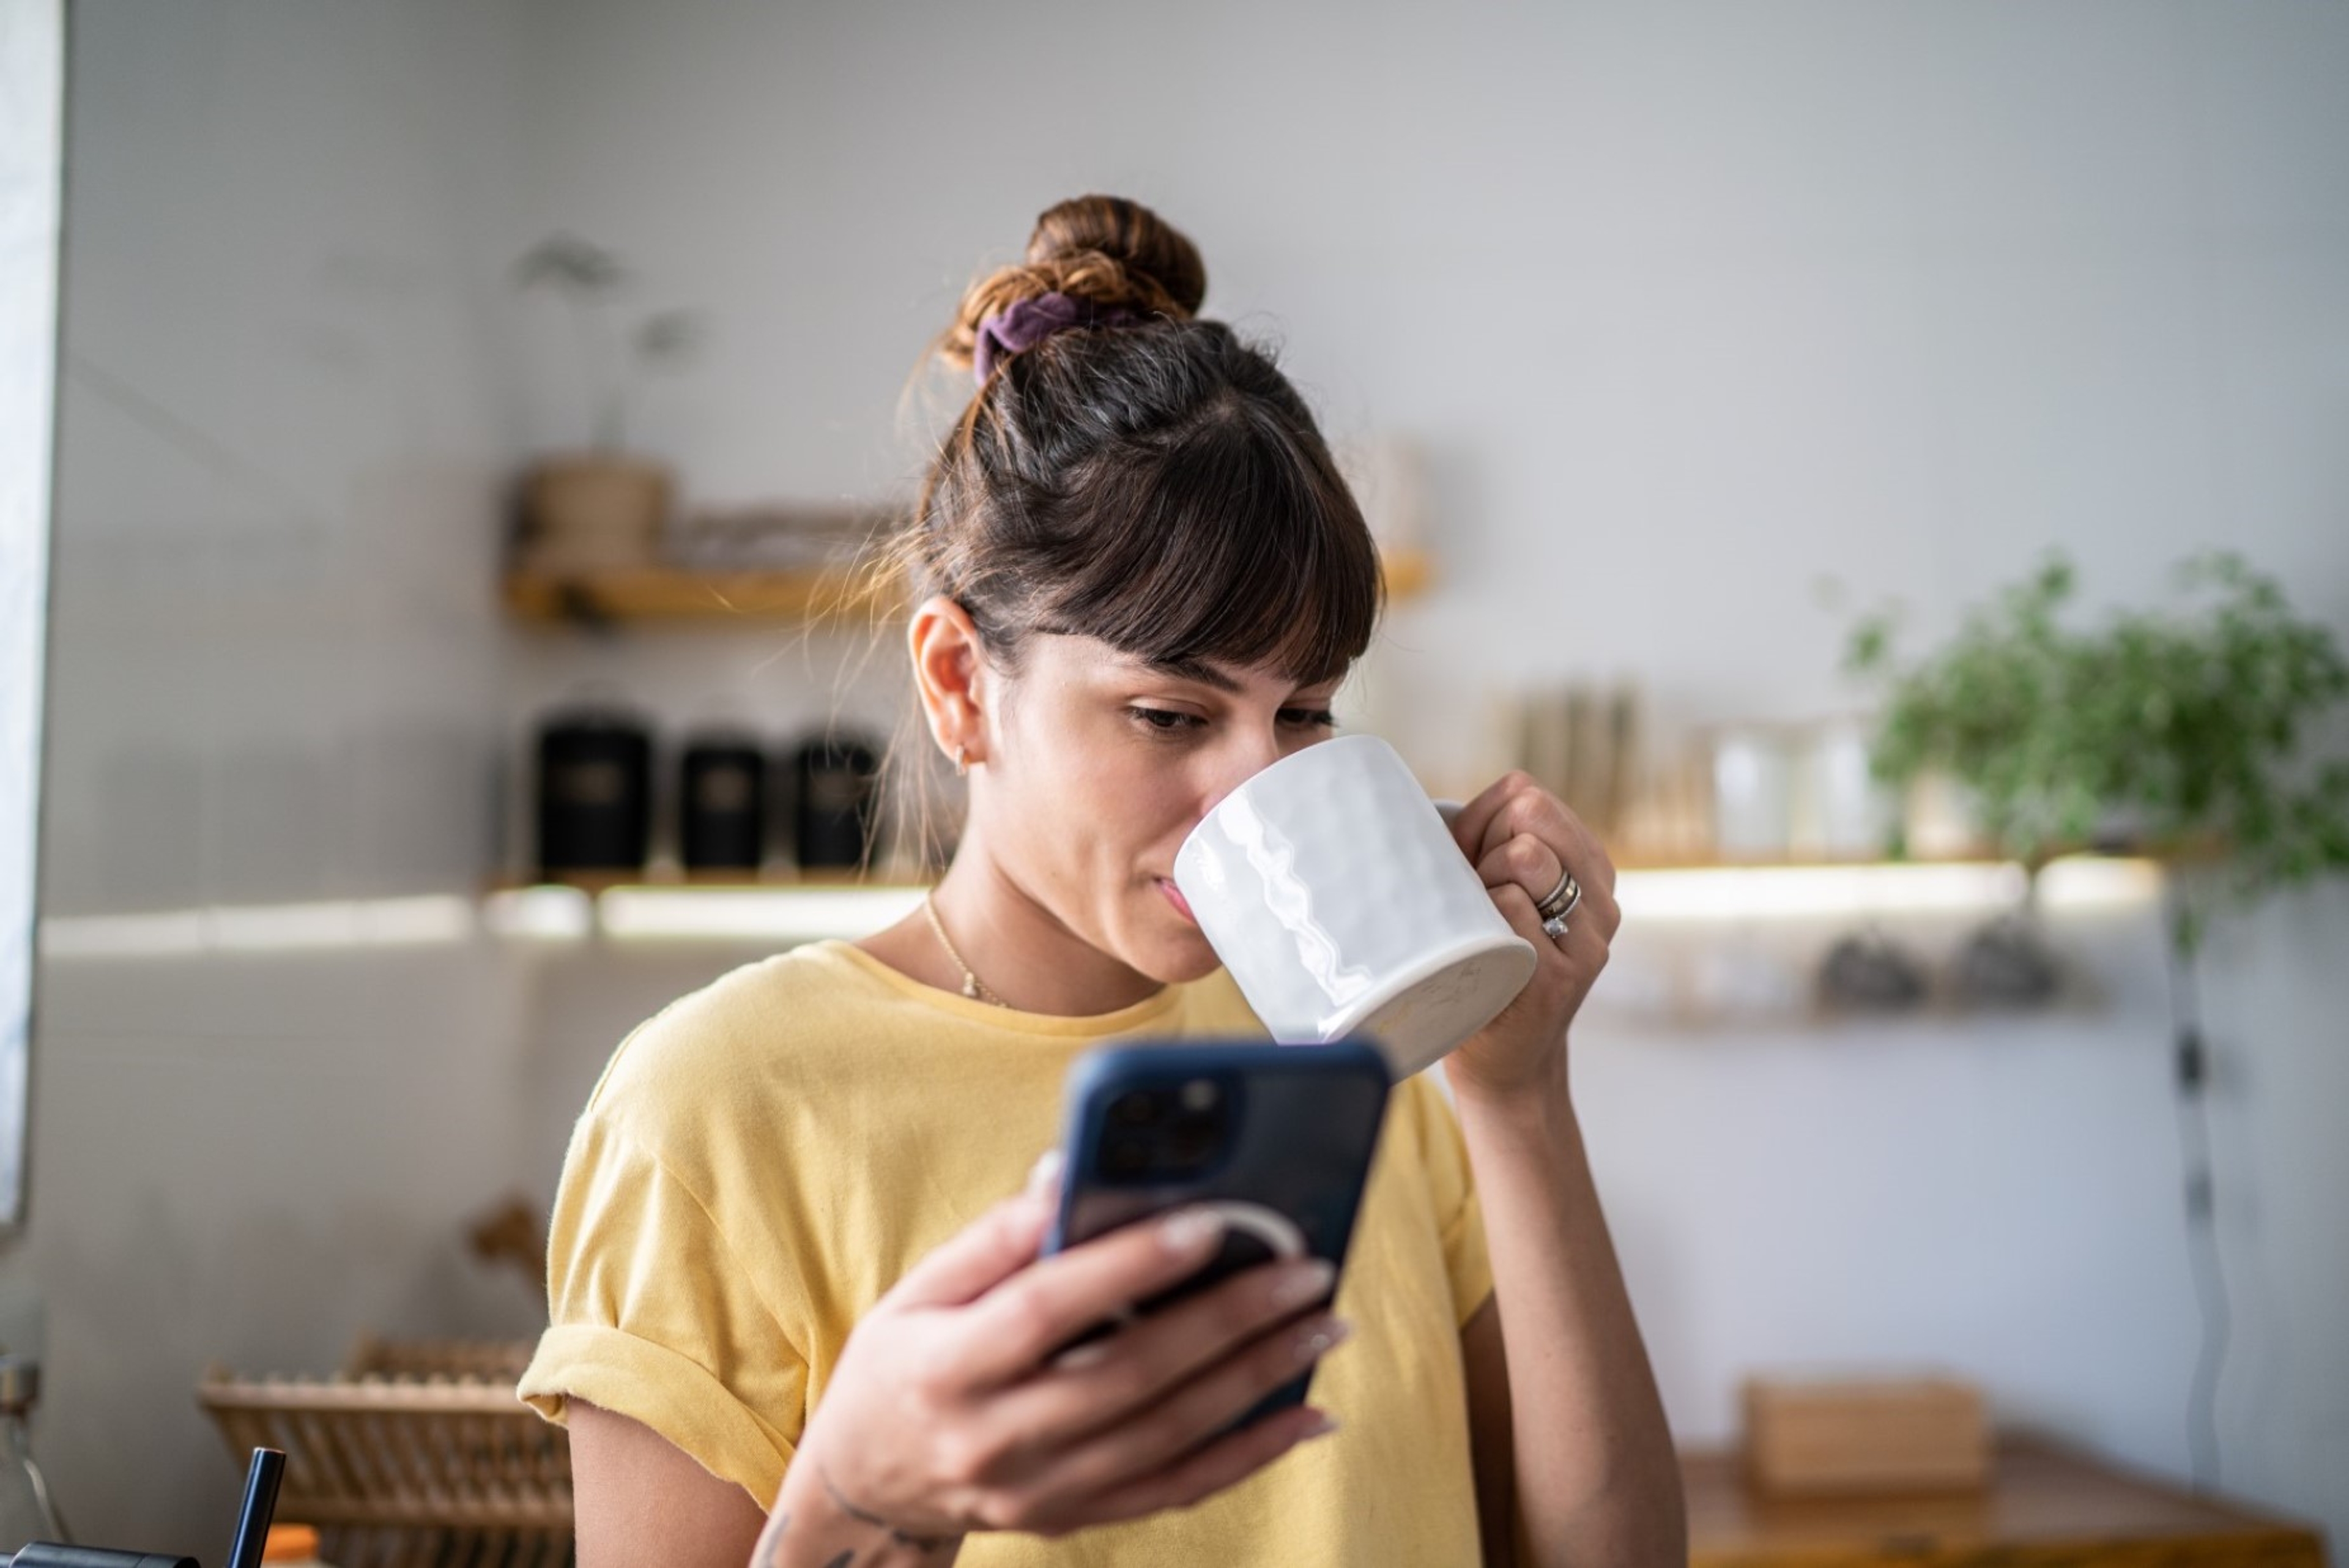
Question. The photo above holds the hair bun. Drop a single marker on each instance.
(1082, 233)
(1104, 249)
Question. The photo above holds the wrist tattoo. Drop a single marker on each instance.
(901, 1537)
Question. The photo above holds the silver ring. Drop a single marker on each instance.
(1562, 900)
(1555, 927)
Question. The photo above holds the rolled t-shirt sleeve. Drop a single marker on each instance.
(652, 1317)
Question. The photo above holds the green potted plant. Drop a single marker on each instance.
(602, 506)
(2184, 731)
(2195, 730)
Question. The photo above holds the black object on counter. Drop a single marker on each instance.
(721, 804)
(837, 779)
(254, 1514)
(50, 1555)
(595, 791)
(258, 1508)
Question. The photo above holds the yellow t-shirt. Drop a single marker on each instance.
(764, 1158)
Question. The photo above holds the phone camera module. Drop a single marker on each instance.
(1190, 1142)
(1167, 1131)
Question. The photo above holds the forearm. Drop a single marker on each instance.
(1596, 1479)
(812, 1526)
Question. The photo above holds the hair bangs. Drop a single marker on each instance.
(1239, 545)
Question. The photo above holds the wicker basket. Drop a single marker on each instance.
(418, 1455)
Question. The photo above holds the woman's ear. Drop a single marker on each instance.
(950, 672)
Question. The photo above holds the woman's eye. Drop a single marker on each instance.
(1166, 720)
(1309, 718)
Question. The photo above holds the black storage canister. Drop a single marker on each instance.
(836, 778)
(721, 804)
(595, 791)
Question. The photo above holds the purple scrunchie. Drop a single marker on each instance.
(1030, 321)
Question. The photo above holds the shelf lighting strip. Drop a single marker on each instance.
(559, 915)
(323, 926)
(1659, 895)
(1842, 892)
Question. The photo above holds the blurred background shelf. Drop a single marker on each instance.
(677, 907)
(785, 908)
(677, 593)
(632, 594)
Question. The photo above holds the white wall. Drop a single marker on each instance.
(1694, 306)
(275, 681)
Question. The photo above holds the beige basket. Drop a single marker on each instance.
(418, 1455)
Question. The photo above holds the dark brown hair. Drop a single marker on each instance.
(1157, 484)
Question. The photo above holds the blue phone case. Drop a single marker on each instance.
(1298, 1129)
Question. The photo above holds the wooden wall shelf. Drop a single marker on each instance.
(673, 594)
(670, 594)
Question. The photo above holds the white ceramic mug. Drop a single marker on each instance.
(1332, 889)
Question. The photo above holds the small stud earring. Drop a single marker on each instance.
(962, 762)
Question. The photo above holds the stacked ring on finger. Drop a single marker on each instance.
(1557, 904)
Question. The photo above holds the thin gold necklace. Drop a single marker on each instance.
(972, 986)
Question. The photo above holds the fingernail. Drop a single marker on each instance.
(1190, 1229)
(1047, 1167)
(1089, 1354)
(1302, 1283)
(1320, 1339)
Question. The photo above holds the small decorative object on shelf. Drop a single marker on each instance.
(1838, 808)
(836, 778)
(721, 804)
(595, 791)
(1868, 972)
(2008, 964)
(1752, 793)
(602, 507)
(1580, 741)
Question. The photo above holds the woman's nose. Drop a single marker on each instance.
(1246, 757)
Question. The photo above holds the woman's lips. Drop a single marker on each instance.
(1174, 897)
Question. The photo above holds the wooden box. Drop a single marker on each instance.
(1846, 1437)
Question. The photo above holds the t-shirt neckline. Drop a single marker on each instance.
(1148, 1011)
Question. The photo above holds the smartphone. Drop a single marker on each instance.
(1279, 1139)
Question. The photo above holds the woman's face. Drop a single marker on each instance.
(1098, 764)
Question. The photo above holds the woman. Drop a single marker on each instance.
(1147, 582)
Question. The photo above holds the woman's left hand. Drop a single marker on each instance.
(1521, 839)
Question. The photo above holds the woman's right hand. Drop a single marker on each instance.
(949, 1411)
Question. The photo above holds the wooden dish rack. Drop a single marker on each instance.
(417, 1455)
